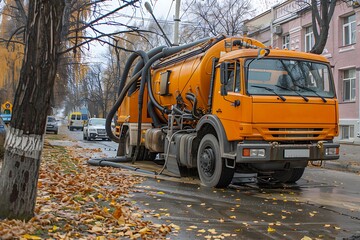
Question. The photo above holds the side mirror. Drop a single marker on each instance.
(224, 67)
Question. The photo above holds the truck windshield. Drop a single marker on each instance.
(289, 77)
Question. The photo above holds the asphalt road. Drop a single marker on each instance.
(324, 204)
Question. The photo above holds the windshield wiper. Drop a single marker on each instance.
(311, 90)
(289, 89)
(270, 90)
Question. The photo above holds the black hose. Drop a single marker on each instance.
(191, 97)
(144, 76)
(116, 106)
(127, 67)
(140, 65)
(165, 53)
(154, 117)
(116, 162)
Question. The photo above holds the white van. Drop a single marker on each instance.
(77, 120)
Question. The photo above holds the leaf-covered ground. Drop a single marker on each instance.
(78, 201)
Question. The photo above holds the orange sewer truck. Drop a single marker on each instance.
(228, 104)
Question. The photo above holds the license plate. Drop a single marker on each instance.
(296, 153)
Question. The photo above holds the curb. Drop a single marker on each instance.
(342, 167)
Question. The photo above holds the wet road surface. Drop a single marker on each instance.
(250, 212)
(324, 204)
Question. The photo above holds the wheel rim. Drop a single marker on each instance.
(207, 161)
(127, 145)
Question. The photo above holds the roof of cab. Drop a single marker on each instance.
(283, 53)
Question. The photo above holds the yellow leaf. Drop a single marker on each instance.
(233, 217)
(212, 231)
(193, 227)
(55, 228)
(144, 230)
(271, 230)
(327, 225)
(201, 230)
(161, 193)
(98, 217)
(306, 238)
(121, 220)
(32, 237)
(96, 229)
(100, 238)
(100, 196)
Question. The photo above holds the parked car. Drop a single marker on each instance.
(2, 134)
(6, 118)
(95, 128)
(52, 125)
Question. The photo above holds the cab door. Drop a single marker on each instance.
(230, 102)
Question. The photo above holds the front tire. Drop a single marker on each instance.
(211, 167)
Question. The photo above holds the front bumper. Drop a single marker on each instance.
(287, 152)
(96, 135)
(51, 128)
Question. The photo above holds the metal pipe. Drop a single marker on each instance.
(176, 23)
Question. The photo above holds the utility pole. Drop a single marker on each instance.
(176, 22)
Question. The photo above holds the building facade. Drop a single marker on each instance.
(288, 25)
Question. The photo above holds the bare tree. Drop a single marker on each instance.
(44, 35)
(217, 17)
(321, 12)
(24, 142)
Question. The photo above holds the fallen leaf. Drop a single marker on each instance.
(32, 237)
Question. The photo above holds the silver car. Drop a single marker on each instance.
(95, 128)
(52, 125)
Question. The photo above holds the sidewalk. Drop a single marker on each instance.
(349, 159)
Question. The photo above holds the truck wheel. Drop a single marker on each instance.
(288, 176)
(211, 167)
(129, 149)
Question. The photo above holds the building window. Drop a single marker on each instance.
(309, 39)
(349, 30)
(347, 131)
(286, 41)
(349, 85)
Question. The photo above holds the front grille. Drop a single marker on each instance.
(294, 133)
(101, 131)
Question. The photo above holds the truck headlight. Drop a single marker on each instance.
(254, 152)
(331, 151)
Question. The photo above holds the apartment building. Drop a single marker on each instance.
(288, 25)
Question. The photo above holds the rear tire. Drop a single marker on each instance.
(211, 167)
(288, 176)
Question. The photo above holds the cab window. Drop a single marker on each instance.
(233, 83)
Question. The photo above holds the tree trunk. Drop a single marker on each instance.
(24, 140)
